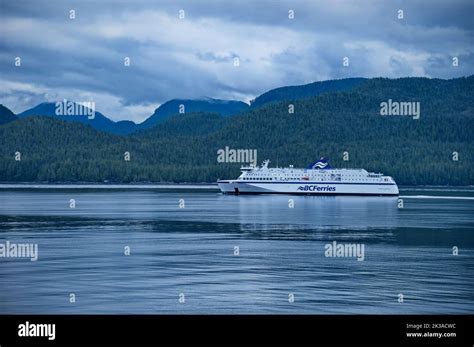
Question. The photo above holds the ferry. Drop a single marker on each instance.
(319, 178)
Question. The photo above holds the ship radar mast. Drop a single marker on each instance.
(265, 164)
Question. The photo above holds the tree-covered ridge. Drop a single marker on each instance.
(306, 91)
(173, 107)
(96, 119)
(100, 122)
(184, 148)
(6, 115)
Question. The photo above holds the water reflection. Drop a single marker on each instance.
(191, 249)
(317, 212)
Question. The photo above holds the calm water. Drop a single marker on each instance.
(190, 250)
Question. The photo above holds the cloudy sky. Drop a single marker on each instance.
(82, 59)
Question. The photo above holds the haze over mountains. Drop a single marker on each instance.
(183, 147)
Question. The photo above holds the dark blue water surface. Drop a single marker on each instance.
(190, 251)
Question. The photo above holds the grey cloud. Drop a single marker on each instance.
(61, 57)
(217, 58)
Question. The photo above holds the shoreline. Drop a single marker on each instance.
(83, 185)
(169, 185)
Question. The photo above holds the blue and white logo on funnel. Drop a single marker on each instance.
(322, 163)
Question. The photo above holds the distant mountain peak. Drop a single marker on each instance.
(97, 121)
(206, 104)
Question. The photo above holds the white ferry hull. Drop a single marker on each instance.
(307, 188)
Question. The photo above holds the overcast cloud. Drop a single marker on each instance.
(82, 59)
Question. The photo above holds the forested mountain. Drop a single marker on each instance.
(6, 115)
(162, 113)
(184, 147)
(99, 121)
(172, 107)
(292, 93)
